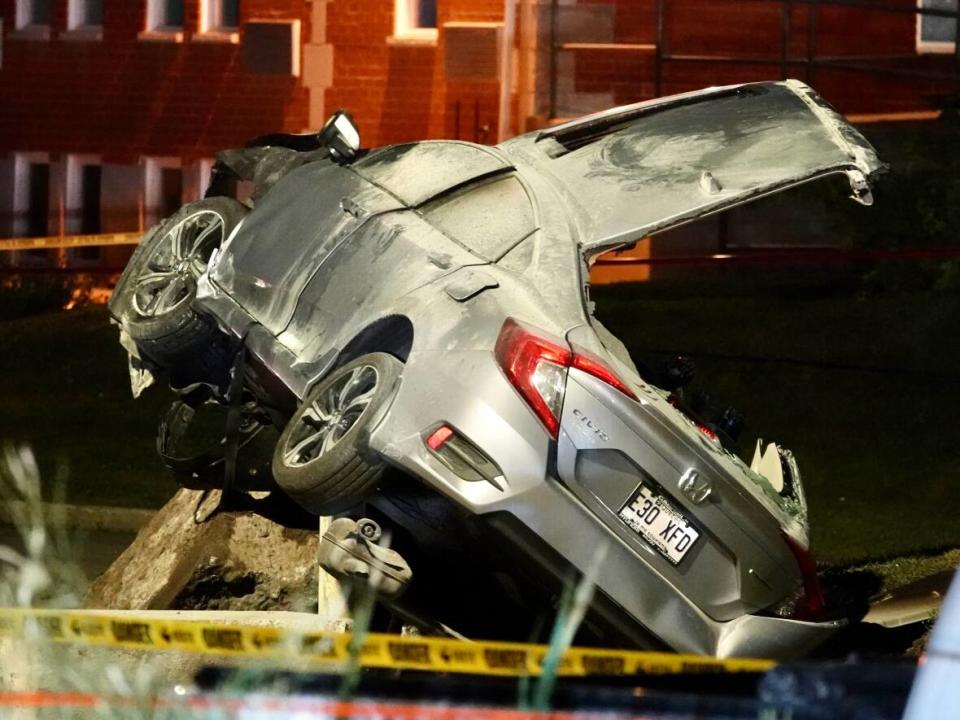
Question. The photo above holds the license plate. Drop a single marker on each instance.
(656, 520)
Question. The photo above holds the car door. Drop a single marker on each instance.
(461, 205)
(290, 234)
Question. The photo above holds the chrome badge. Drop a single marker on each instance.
(696, 488)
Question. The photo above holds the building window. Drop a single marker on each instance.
(33, 13)
(219, 20)
(32, 19)
(90, 181)
(83, 190)
(935, 33)
(83, 185)
(85, 14)
(31, 200)
(165, 15)
(415, 19)
(90, 200)
(220, 16)
(38, 199)
(31, 194)
(163, 188)
(84, 20)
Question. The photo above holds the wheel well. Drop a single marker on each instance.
(392, 335)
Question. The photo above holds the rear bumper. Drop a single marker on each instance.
(468, 391)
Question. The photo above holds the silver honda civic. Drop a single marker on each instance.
(403, 338)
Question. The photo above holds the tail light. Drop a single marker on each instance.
(811, 604)
(537, 365)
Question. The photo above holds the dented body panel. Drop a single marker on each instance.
(652, 166)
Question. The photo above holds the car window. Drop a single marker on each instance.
(487, 219)
(416, 172)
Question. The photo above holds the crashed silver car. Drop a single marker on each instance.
(407, 333)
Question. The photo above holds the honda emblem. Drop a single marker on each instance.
(696, 488)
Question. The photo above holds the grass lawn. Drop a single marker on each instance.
(64, 390)
(864, 391)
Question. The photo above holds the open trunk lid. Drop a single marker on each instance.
(640, 169)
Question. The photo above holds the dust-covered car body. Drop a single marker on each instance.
(469, 264)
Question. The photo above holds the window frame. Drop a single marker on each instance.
(406, 23)
(21, 189)
(77, 27)
(155, 29)
(211, 23)
(25, 27)
(73, 207)
(932, 47)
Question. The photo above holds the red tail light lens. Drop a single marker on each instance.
(537, 367)
(590, 363)
(812, 604)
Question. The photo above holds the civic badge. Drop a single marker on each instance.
(696, 488)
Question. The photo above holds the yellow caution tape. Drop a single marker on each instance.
(70, 241)
(330, 648)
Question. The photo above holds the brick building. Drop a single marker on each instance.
(112, 109)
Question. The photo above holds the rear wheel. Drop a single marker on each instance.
(321, 459)
(157, 306)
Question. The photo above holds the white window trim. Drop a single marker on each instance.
(152, 183)
(24, 12)
(73, 188)
(76, 28)
(928, 47)
(204, 172)
(212, 28)
(21, 188)
(406, 27)
(196, 177)
(155, 31)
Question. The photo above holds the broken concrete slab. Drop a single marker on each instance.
(257, 554)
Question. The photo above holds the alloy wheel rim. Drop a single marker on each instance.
(330, 416)
(176, 263)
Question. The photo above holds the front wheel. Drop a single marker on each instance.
(160, 284)
(321, 459)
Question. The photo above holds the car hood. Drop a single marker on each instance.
(639, 169)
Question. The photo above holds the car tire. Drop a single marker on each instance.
(159, 285)
(322, 460)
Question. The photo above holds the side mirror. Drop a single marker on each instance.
(341, 135)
